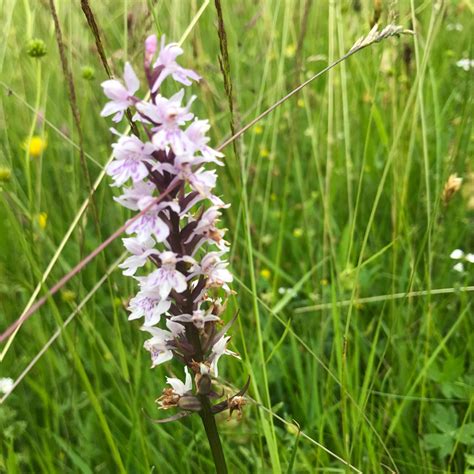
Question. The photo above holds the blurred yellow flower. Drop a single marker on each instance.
(265, 274)
(42, 219)
(258, 129)
(300, 103)
(290, 50)
(5, 173)
(298, 232)
(36, 146)
(68, 296)
(264, 153)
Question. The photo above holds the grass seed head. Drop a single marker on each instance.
(452, 186)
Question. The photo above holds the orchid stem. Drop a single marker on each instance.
(206, 414)
(212, 433)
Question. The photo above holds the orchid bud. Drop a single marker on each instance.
(203, 383)
(88, 73)
(151, 45)
(189, 402)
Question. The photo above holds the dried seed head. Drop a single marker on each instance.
(168, 399)
(452, 186)
(375, 35)
(236, 404)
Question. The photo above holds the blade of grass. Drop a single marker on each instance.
(58, 332)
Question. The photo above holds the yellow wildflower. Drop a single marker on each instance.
(300, 103)
(42, 219)
(290, 50)
(264, 153)
(265, 274)
(298, 232)
(36, 146)
(258, 129)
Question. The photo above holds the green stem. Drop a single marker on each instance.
(215, 444)
(29, 178)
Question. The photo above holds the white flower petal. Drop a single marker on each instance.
(188, 383)
(456, 254)
(470, 257)
(161, 358)
(131, 79)
(6, 385)
(111, 108)
(175, 328)
(176, 384)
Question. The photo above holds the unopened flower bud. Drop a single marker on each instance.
(36, 48)
(189, 402)
(151, 45)
(203, 382)
(88, 73)
(5, 174)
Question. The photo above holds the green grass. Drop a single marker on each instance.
(336, 196)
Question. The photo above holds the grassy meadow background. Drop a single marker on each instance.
(336, 214)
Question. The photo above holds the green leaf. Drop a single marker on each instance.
(75, 457)
(453, 368)
(444, 418)
(465, 434)
(453, 390)
(469, 459)
(434, 373)
(441, 442)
